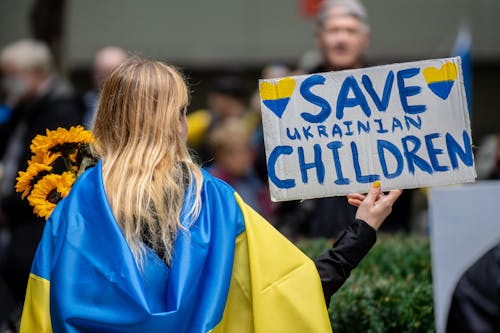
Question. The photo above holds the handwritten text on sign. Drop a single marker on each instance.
(335, 133)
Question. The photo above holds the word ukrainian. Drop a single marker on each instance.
(333, 133)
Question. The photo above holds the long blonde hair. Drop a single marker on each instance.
(146, 164)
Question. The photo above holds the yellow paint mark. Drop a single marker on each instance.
(281, 89)
(447, 72)
(267, 91)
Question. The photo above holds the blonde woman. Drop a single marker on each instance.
(148, 242)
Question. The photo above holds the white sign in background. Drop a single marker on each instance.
(335, 133)
(464, 225)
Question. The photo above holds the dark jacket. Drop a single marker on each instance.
(475, 305)
(335, 265)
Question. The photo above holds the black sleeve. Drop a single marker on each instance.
(335, 265)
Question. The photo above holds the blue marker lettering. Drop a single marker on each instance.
(336, 131)
(455, 150)
(396, 124)
(344, 101)
(381, 128)
(317, 164)
(382, 146)
(359, 177)
(322, 131)
(348, 125)
(411, 155)
(271, 167)
(294, 136)
(405, 92)
(383, 103)
(307, 132)
(365, 127)
(305, 91)
(334, 146)
(433, 152)
(409, 120)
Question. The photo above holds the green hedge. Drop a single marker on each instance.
(390, 291)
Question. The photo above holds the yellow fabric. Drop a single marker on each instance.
(36, 316)
(238, 315)
(198, 122)
(275, 287)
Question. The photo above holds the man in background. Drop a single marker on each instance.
(342, 35)
(105, 61)
(39, 99)
(342, 38)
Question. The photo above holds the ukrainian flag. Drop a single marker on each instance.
(230, 272)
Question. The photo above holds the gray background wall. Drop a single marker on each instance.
(256, 31)
(206, 36)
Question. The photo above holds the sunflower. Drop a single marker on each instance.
(42, 144)
(73, 157)
(49, 191)
(61, 140)
(44, 189)
(79, 135)
(27, 179)
(46, 158)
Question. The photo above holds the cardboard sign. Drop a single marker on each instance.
(334, 133)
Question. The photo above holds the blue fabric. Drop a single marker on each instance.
(95, 284)
(462, 48)
(5, 114)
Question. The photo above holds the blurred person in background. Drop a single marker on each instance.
(475, 303)
(342, 38)
(39, 99)
(230, 143)
(488, 157)
(105, 60)
(342, 35)
(227, 98)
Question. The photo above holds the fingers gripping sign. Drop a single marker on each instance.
(375, 206)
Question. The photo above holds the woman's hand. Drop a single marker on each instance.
(375, 206)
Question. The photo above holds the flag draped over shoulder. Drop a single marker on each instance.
(230, 272)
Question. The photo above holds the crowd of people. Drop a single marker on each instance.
(225, 138)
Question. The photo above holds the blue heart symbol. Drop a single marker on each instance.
(277, 106)
(441, 89)
(440, 81)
